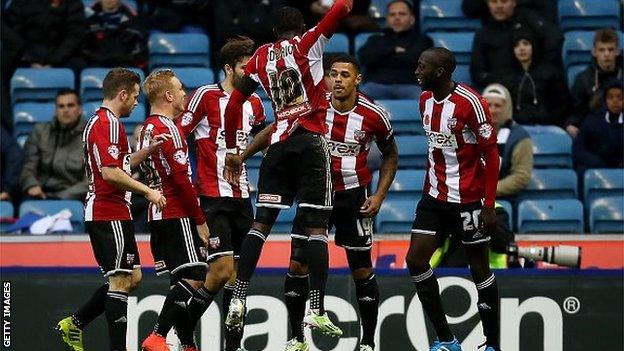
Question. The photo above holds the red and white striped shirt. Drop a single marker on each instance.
(105, 144)
(205, 117)
(349, 137)
(291, 73)
(169, 171)
(459, 131)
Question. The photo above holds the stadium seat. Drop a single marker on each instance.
(462, 74)
(589, 14)
(460, 43)
(178, 49)
(534, 130)
(6, 209)
(602, 183)
(91, 82)
(40, 84)
(377, 10)
(396, 216)
(51, 207)
(607, 215)
(194, 77)
(360, 40)
(136, 117)
(552, 150)
(284, 221)
(573, 71)
(407, 185)
(577, 47)
(551, 184)
(412, 151)
(404, 116)
(338, 43)
(509, 209)
(550, 216)
(445, 15)
(268, 111)
(26, 114)
(253, 174)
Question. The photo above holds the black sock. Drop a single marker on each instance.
(234, 336)
(116, 317)
(199, 304)
(296, 289)
(489, 310)
(367, 292)
(429, 295)
(174, 312)
(93, 308)
(318, 263)
(251, 249)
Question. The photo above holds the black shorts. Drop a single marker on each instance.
(353, 232)
(114, 246)
(176, 245)
(298, 167)
(435, 217)
(229, 220)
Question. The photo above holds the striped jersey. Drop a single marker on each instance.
(169, 171)
(105, 144)
(349, 137)
(458, 129)
(205, 117)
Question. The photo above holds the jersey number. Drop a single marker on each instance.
(471, 220)
(286, 88)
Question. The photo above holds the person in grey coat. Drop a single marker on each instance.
(54, 167)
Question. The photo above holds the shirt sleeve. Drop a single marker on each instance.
(106, 144)
(383, 129)
(193, 113)
(259, 116)
(313, 41)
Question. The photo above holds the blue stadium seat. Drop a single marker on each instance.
(268, 111)
(412, 151)
(378, 10)
(602, 183)
(178, 49)
(407, 185)
(6, 209)
(284, 221)
(607, 215)
(462, 74)
(396, 216)
(577, 47)
(551, 184)
(534, 130)
(552, 150)
(550, 216)
(26, 114)
(194, 77)
(338, 43)
(589, 14)
(91, 82)
(404, 116)
(509, 208)
(50, 207)
(360, 40)
(445, 15)
(459, 43)
(253, 174)
(40, 84)
(573, 71)
(136, 117)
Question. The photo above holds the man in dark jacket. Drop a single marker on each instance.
(115, 36)
(51, 30)
(389, 59)
(54, 154)
(492, 49)
(589, 84)
(479, 9)
(11, 162)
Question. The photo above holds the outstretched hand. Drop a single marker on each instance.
(232, 169)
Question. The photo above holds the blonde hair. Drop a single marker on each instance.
(499, 91)
(157, 83)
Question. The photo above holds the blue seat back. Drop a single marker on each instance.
(412, 151)
(588, 14)
(6, 209)
(603, 183)
(40, 84)
(407, 184)
(284, 221)
(178, 49)
(551, 184)
(459, 43)
(91, 80)
(194, 77)
(446, 15)
(552, 150)
(27, 114)
(577, 46)
(404, 115)
(509, 209)
(396, 216)
(268, 111)
(550, 216)
(606, 215)
(338, 43)
(360, 40)
(253, 174)
(50, 207)
(462, 74)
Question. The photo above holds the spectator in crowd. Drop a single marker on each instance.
(357, 21)
(600, 141)
(540, 95)
(389, 59)
(588, 85)
(51, 30)
(514, 143)
(479, 9)
(11, 162)
(115, 36)
(492, 48)
(54, 154)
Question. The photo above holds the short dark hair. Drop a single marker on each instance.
(445, 59)
(288, 19)
(67, 91)
(606, 35)
(118, 79)
(234, 50)
(346, 59)
(407, 3)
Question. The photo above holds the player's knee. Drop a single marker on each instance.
(298, 268)
(121, 282)
(298, 251)
(362, 273)
(265, 218)
(359, 260)
(416, 264)
(137, 277)
(222, 269)
(316, 219)
(192, 273)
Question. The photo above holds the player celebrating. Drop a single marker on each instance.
(176, 230)
(354, 122)
(227, 207)
(297, 163)
(459, 192)
(107, 210)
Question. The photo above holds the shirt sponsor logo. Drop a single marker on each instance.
(441, 140)
(485, 130)
(339, 149)
(180, 157)
(270, 198)
(294, 111)
(113, 150)
(187, 118)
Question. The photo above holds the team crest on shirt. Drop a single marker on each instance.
(130, 258)
(452, 123)
(360, 136)
(485, 130)
(426, 120)
(187, 118)
(113, 150)
(214, 243)
(180, 157)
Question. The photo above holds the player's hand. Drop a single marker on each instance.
(204, 233)
(232, 169)
(36, 191)
(487, 221)
(572, 130)
(158, 199)
(371, 206)
(157, 142)
(348, 5)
